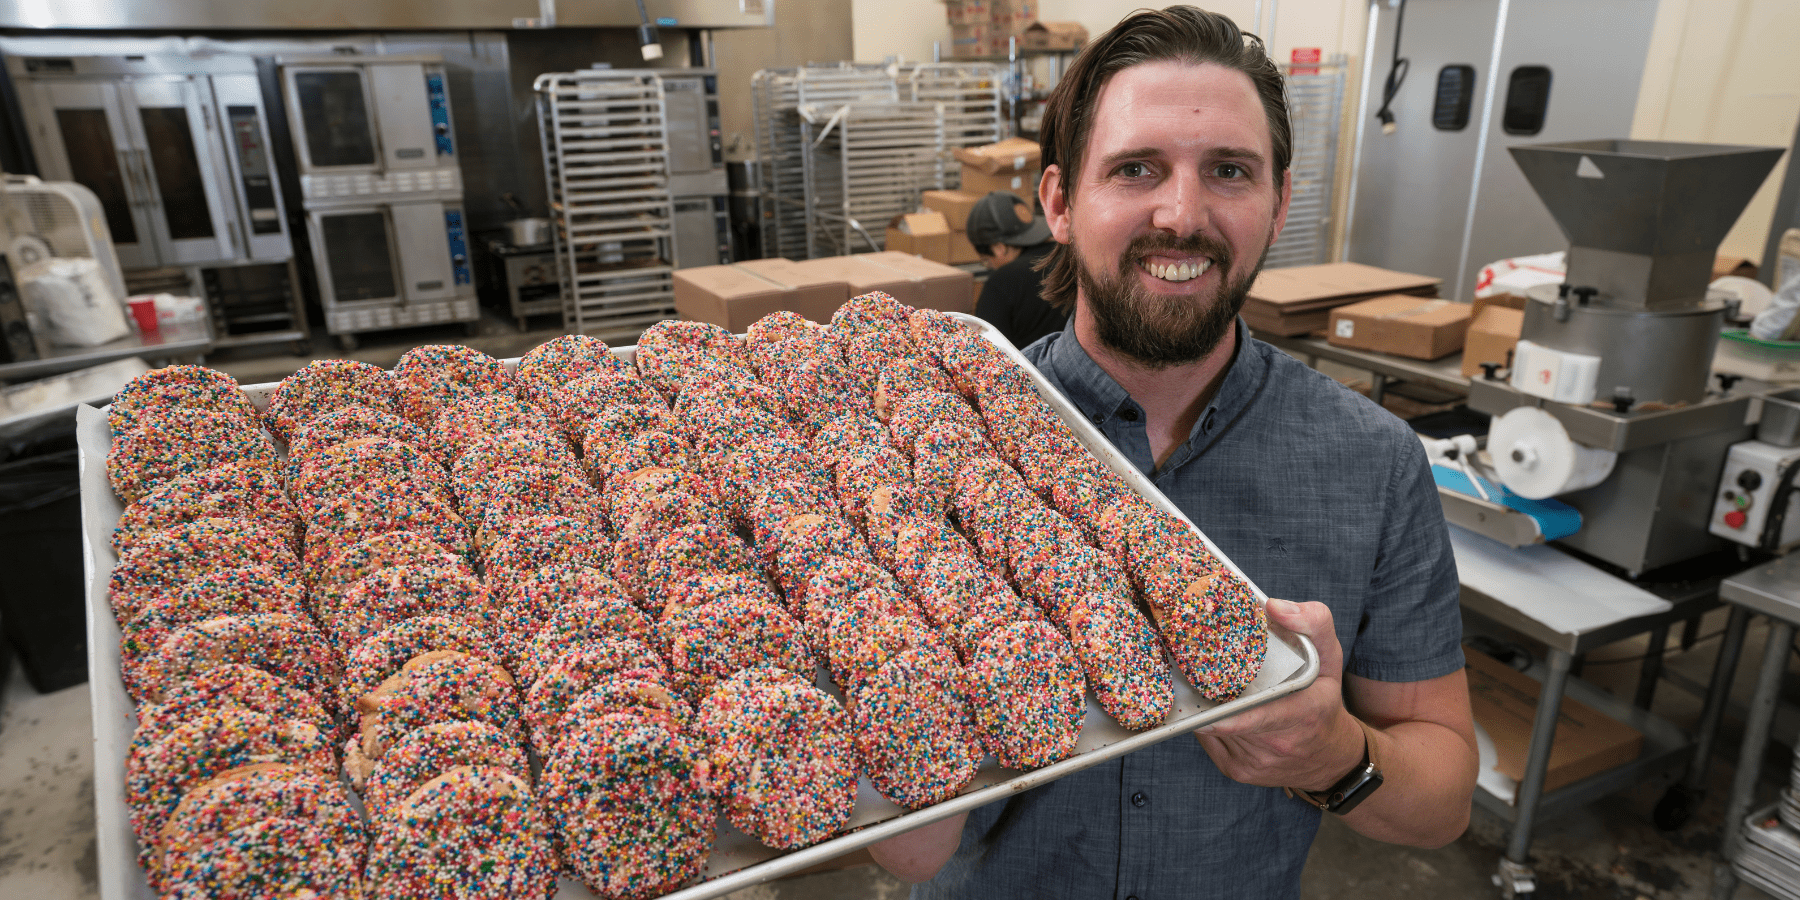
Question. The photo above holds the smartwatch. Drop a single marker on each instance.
(1353, 788)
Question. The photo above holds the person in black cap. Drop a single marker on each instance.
(1012, 241)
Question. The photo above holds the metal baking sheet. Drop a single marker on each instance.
(737, 861)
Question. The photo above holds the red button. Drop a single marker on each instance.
(1735, 518)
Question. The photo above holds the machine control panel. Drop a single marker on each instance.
(1754, 471)
(440, 112)
(459, 246)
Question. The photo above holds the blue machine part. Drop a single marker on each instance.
(440, 113)
(459, 246)
(1555, 520)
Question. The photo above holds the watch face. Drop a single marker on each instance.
(1345, 797)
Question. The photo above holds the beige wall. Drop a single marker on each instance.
(805, 31)
(908, 27)
(1723, 72)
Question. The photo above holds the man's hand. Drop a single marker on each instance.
(1305, 740)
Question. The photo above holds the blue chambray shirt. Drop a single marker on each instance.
(1317, 494)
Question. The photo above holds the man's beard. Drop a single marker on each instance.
(1161, 332)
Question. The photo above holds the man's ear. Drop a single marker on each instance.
(1281, 206)
(1056, 210)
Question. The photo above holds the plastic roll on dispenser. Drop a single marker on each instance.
(1535, 457)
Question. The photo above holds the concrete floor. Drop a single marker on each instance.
(1609, 849)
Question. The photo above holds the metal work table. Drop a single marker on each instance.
(185, 340)
(1773, 590)
(1665, 746)
(1445, 373)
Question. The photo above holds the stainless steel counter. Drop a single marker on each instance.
(174, 342)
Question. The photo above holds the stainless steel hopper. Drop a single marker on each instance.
(1644, 218)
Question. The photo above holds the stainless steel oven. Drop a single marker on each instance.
(390, 265)
(382, 186)
(371, 126)
(175, 147)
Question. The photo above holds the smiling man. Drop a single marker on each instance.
(1166, 147)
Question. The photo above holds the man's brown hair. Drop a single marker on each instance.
(1179, 34)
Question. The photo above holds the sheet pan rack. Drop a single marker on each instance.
(606, 153)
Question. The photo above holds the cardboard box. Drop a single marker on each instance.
(931, 285)
(924, 234)
(813, 296)
(1010, 155)
(979, 183)
(1299, 299)
(909, 279)
(1053, 36)
(1011, 16)
(1732, 265)
(961, 251)
(1491, 338)
(955, 206)
(1402, 325)
(970, 40)
(1587, 741)
(967, 12)
(734, 296)
(1510, 301)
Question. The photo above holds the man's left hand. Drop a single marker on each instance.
(1306, 740)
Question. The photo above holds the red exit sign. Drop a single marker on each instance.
(1305, 60)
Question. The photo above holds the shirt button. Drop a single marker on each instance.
(1128, 414)
(1098, 418)
(1138, 799)
(1132, 897)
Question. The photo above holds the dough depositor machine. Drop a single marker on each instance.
(1610, 405)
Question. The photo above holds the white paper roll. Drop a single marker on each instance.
(1535, 457)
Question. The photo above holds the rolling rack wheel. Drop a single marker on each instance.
(1676, 807)
(1515, 880)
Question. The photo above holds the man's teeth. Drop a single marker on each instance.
(1179, 272)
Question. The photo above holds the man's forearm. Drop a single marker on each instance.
(1428, 773)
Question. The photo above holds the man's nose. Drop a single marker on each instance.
(1181, 204)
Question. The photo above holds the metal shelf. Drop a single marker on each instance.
(606, 163)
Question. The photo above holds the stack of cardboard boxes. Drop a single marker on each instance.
(734, 296)
(982, 27)
(940, 232)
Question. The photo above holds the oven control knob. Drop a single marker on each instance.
(1735, 518)
(1749, 479)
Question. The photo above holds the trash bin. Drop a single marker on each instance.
(42, 604)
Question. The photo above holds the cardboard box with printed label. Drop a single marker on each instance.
(1491, 338)
(1402, 325)
(924, 234)
(954, 205)
(967, 12)
(1587, 741)
(970, 40)
(1024, 184)
(1010, 155)
(1053, 36)
(734, 296)
(1011, 16)
(1299, 299)
(909, 279)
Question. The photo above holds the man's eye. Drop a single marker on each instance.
(1134, 170)
(1230, 170)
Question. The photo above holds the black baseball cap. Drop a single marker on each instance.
(1002, 218)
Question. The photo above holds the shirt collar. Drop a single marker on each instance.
(1099, 397)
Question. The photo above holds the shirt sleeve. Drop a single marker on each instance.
(1411, 628)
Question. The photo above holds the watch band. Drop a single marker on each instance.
(1353, 788)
